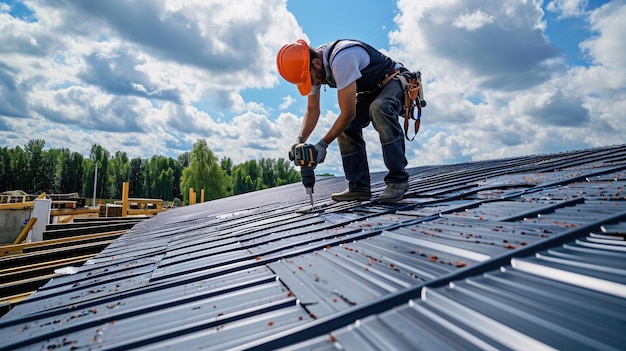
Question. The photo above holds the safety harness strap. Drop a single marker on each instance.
(412, 100)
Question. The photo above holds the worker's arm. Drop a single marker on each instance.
(347, 112)
(311, 116)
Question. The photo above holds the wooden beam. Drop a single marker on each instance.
(27, 284)
(18, 206)
(22, 235)
(73, 211)
(39, 257)
(14, 299)
(144, 212)
(192, 196)
(63, 204)
(124, 199)
(37, 266)
(30, 274)
(27, 279)
(85, 230)
(17, 249)
(65, 219)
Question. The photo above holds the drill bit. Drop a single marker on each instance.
(308, 180)
(309, 190)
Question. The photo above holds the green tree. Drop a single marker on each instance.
(154, 167)
(136, 178)
(242, 182)
(160, 173)
(50, 168)
(227, 165)
(285, 173)
(64, 169)
(34, 172)
(245, 177)
(177, 169)
(71, 165)
(166, 184)
(267, 173)
(19, 168)
(34, 169)
(204, 173)
(88, 178)
(118, 174)
(6, 180)
(100, 156)
(183, 159)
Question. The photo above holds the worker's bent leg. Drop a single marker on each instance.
(354, 157)
(385, 110)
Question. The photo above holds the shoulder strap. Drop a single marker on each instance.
(332, 47)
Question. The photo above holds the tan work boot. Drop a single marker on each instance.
(350, 195)
(393, 192)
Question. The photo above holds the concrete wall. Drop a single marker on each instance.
(11, 223)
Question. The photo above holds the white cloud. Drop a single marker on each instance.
(503, 90)
(153, 77)
(140, 67)
(609, 47)
(568, 8)
(287, 101)
(473, 21)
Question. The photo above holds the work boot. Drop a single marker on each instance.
(393, 192)
(350, 195)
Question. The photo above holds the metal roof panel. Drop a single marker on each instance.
(526, 252)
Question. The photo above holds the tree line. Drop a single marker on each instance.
(34, 170)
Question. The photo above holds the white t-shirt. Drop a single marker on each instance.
(346, 66)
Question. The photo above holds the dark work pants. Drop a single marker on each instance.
(382, 110)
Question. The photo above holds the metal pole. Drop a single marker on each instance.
(95, 183)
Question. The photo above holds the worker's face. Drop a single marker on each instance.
(318, 74)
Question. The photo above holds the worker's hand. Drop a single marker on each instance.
(320, 147)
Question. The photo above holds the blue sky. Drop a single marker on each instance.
(502, 77)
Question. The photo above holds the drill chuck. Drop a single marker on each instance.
(308, 178)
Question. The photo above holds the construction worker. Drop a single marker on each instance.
(358, 72)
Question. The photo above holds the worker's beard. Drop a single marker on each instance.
(319, 76)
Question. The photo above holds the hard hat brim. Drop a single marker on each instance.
(305, 88)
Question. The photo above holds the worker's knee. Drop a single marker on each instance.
(385, 121)
(350, 143)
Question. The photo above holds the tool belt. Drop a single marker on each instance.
(413, 96)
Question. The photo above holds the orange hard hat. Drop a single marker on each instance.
(294, 65)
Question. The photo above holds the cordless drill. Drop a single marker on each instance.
(304, 155)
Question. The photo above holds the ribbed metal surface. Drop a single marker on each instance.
(524, 253)
(571, 297)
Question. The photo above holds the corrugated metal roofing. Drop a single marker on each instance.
(521, 253)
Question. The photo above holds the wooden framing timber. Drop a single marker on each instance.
(22, 235)
(85, 230)
(18, 284)
(39, 257)
(17, 249)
